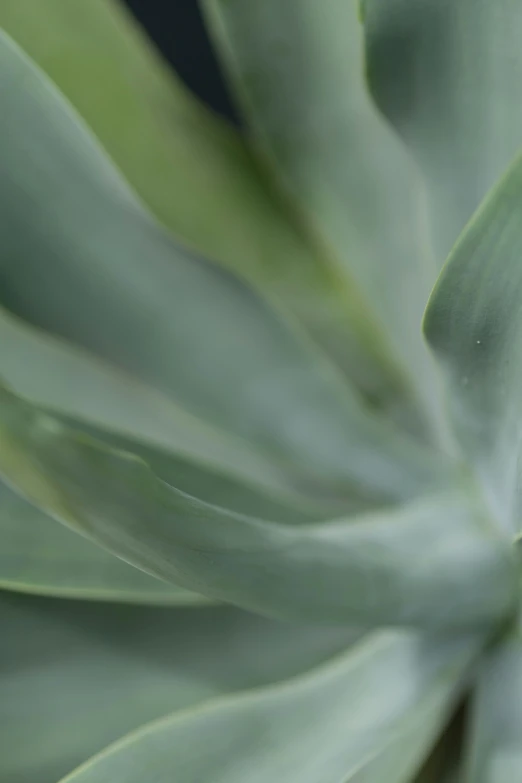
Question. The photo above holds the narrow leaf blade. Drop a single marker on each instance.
(128, 294)
(196, 175)
(434, 563)
(448, 75)
(297, 73)
(495, 742)
(474, 324)
(326, 726)
(76, 676)
(42, 557)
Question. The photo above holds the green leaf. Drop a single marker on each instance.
(40, 556)
(448, 75)
(327, 726)
(297, 73)
(474, 324)
(75, 676)
(495, 742)
(128, 294)
(433, 563)
(135, 417)
(212, 486)
(198, 177)
(445, 761)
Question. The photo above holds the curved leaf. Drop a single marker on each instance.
(219, 489)
(434, 563)
(448, 74)
(495, 742)
(127, 293)
(40, 556)
(474, 324)
(76, 676)
(95, 393)
(371, 715)
(298, 76)
(445, 761)
(130, 416)
(197, 176)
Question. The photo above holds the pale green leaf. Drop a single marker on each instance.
(367, 717)
(448, 74)
(197, 176)
(297, 71)
(76, 676)
(474, 324)
(113, 407)
(78, 385)
(40, 556)
(136, 418)
(445, 761)
(82, 260)
(495, 741)
(433, 563)
(210, 485)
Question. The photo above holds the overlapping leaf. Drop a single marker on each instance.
(40, 556)
(116, 333)
(81, 260)
(76, 676)
(434, 563)
(198, 177)
(297, 71)
(448, 73)
(474, 324)
(369, 716)
(96, 393)
(495, 742)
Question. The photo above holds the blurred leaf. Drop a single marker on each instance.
(474, 324)
(433, 563)
(495, 742)
(38, 555)
(297, 72)
(197, 176)
(445, 761)
(211, 486)
(327, 726)
(114, 408)
(128, 294)
(448, 74)
(76, 676)
(93, 392)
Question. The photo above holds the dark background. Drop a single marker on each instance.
(176, 27)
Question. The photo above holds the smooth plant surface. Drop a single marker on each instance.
(260, 413)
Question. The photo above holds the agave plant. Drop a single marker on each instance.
(289, 523)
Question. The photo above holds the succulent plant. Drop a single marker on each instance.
(289, 522)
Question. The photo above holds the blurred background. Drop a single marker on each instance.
(176, 28)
